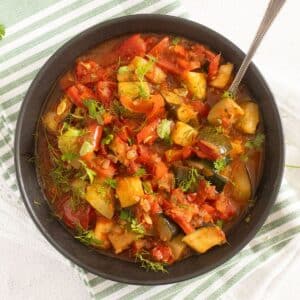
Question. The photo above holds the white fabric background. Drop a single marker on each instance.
(31, 269)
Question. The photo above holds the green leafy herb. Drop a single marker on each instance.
(143, 93)
(69, 156)
(140, 172)
(175, 40)
(87, 237)
(148, 264)
(256, 142)
(96, 110)
(143, 68)
(192, 177)
(119, 110)
(111, 182)
(221, 163)
(2, 31)
(86, 148)
(132, 222)
(147, 187)
(164, 129)
(228, 94)
(89, 173)
(220, 223)
(108, 139)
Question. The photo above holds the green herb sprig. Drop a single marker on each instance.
(87, 237)
(149, 265)
(193, 176)
(96, 110)
(221, 163)
(132, 222)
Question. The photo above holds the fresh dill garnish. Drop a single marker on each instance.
(149, 265)
(228, 94)
(61, 176)
(143, 93)
(147, 187)
(2, 31)
(221, 163)
(89, 173)
(220, 223)
(256, 142)
(107, 139)
(111, 182)
(164, 129)
(132, 222)
(143, 68)
(140, 172)
(69, 156)
(86, 148)
(96, 110)
(119, 110)
(87, 237)
(175, 40)
(192, 177)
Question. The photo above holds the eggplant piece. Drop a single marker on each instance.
(165, 228)
(182, 174)
(211, 135)
(178, 247)
(206, 168)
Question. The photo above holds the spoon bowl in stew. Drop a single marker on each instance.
(108, 265)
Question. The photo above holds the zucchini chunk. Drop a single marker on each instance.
(102, 228)
(121, 239)
(178, 247)
(226, 109)
(184, 134)
(186, 113)
(172, 98)
(101, 198)
(129, 190)
(205, 238)
(164, 228)
(196, 84)
(223, 77)
(135, 89)
(250, 119)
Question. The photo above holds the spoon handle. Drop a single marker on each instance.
(270, 14)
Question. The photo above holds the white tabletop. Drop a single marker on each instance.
(26, 272)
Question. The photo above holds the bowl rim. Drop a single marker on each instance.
(51, 239)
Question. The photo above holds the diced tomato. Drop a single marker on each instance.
(158, 107)
(150, 41)
(103, 167)
(201, 108)
(214, 67)
(178, 154)
(106, 91)
(210, 210)
(148, 134)
(67, 80)
(124, 133)
(225, 207)
(87, 71)
(206, 150)
(205, 192)
(138, 106)
(160, 47)
(83, 216)
(183, 223)
(78, 92)
(159, 169)
(162, 253)
(131, 47)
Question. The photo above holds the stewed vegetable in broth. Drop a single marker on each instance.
(143, 153)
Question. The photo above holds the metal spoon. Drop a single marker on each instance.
(270, 14)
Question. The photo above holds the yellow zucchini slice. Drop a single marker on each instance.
(186, 113)
(250, 119)
(102, 228)
(225, 109)
(183, 134)
(121, 239)
(135, 89)
(196, 84)
(129, 190)
(100, 197)
(177, 246)
(223, 77)
(205, 238)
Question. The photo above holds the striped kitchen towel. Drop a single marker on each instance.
(33, 33)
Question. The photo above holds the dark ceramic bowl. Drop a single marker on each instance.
(110, 267)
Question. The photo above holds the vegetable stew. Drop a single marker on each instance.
(143, 153)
